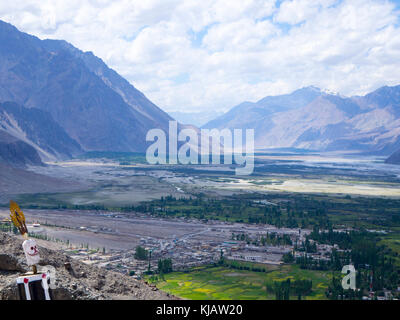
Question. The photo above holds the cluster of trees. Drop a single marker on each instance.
(288, 257)
(164, 266)
(66, 206)
(297, 211)
(273, 239)
(335, 291)
(282, 290)
(276, 239)
(368, 257)
(374, 262)
(365, 252)
(307, 246)
(344, 239)
(8, 227)
(285, 288)
(242, 265)
(335, 262)
(240, 209)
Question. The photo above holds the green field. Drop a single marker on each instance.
(392, 240)
(222, 283)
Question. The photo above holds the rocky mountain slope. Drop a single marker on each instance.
(37, 128)
(77, 282)
(17, 152)
(312, 119)
(96, 107)
(28, 136)
(133, 97)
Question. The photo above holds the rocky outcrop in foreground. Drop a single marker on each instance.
(74, 280)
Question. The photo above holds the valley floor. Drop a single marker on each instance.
(222, 283)
(191, 214)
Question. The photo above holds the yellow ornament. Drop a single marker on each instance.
(18, 218)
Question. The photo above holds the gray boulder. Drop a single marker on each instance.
(9, 262)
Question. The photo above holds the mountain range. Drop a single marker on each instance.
(87, 106)
(394, 158)
(310, 118)
(57, 101)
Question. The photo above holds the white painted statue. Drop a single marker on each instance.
(31, 252)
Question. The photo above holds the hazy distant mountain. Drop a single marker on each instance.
(312, 119)
(95, 106)
(195, 118)
(394, 158)
(251, 114)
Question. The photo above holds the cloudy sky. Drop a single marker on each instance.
(193, 55)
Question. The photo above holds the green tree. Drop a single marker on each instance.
(141, 253)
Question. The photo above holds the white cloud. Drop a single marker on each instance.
(243, 35)
(212, 54)
(297, 11)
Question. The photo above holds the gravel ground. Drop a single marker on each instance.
(81, 282)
